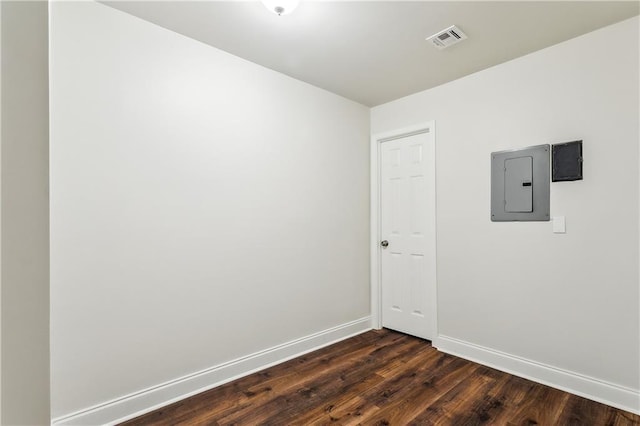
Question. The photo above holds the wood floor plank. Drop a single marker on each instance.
(499, 401)
(340, 377)
(457, 399)
(384, 378)
(343, 408)
(392, 388)
(401, 406)
(543, 405)
(580, 411)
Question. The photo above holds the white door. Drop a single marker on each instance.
(407, 246)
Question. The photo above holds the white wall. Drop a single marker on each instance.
(202, 207)
(516, 290)
(24, 212)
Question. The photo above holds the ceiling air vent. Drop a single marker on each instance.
(448, 37)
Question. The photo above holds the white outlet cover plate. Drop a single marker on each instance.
(559, 225)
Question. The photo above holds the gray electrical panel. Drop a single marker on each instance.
(520, 184)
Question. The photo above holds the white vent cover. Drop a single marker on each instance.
(448, 37)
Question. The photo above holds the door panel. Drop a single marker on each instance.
(407, 209)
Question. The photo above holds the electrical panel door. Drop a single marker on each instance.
(518, 187)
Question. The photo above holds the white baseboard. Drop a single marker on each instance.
(138, 403)
(597, 390)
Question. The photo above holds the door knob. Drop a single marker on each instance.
(384, 243)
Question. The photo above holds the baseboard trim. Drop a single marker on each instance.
(144, 401)
(588, 387)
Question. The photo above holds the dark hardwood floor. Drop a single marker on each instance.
(384, 378)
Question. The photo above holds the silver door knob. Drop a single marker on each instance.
(384, 243)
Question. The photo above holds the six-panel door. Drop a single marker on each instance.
(408, 224)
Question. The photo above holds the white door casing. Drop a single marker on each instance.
(403, 213)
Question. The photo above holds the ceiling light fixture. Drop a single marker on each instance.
(281, 7)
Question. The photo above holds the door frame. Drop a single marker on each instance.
(376, 286)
